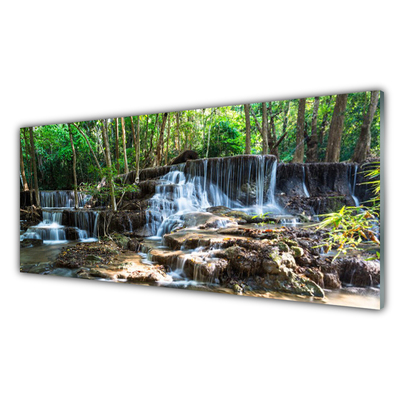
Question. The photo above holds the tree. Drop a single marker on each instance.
(336, 129)
(126, 170)
(117, 145)
(22, 168)
(89, 145)
(35, 175)
(312, 146)
(76, 201)
(160, 144)
(168, 135)
(364, 141)
(108, 163)
(177, 137)
(299, 152)
(248, 137)
(136, 142)
(264, 129)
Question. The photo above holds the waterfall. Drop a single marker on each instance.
(62, 199)
(304, 183)
(51, 230)
(86, 222)
(352, 184)
(241, 182)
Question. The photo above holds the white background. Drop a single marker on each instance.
(72, 339)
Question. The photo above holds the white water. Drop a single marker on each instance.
(353, 187)
(210, 183)
(51, 230)
(305, 190)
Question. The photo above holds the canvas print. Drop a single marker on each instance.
(278, 199)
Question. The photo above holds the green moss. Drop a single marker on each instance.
(297, 251)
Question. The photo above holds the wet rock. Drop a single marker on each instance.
(332, 281)
(183, 157)
(31, 242)
(315, 276)
(208, 220)
(297, 251)
(121, 240)
(146, 274)
(134, 245)
(358, 272)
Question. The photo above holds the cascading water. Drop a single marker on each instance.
(353, 185)
(51, 230)
(244, 182)
(62, 199)
(305, 190)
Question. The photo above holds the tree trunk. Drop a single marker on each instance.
(35, 176)
(312, 147)
(136, 142)
(161, 141)
(168, 135)
(76, 201)
(28, 152)
(274, 149)
(364, 141)
(21, 160)
(117, 145)
(178, 138)
(90, 146)
(264, 129)
(284, 125)
(126, 170)
(108, 162)
(336, 129)
(248, 136)
(299, 152)
(324, 122)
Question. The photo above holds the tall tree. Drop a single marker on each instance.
(324, 123)
(117, 144)
(312, 147)
(108, 163)
(336, 129)
(160, 144)
(177, 137)
(89, 145)
(76, 201)
(136, 142)
(264, 129)
(248, 136)
(22, 168)
(35, 176)
(168, 135)
(364, 140)
(299, 152)
(126, 170)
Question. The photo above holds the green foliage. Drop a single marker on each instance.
(101, 192)
(352, 226)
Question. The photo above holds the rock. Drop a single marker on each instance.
(94, 258)
(283, 247)
(297, 251)
(315, 276)
(31, 243)
(134, 245)
(121, 240)
(183, 157)
(358, 272)
(332, 281)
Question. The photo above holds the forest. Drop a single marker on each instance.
(300, 130)
(279, 198)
